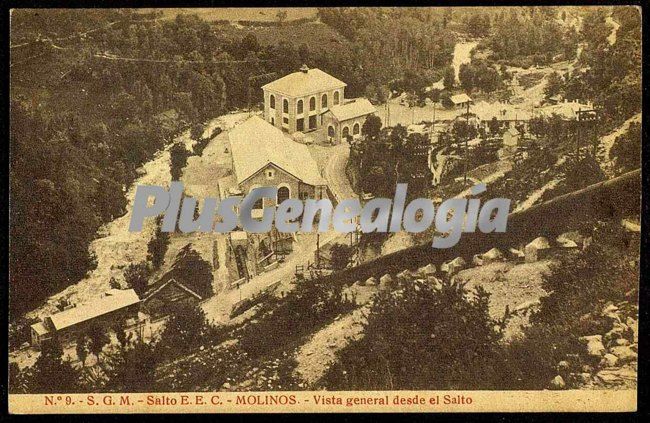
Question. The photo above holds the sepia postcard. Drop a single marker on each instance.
(350, 209)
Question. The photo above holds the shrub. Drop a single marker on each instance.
(423, 338)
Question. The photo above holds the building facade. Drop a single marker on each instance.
(296, 102)
(263, 156)
(116, 307)
(344, 121)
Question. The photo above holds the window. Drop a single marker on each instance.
(336, 98)
(346, 132)
(270, 173)
(259, 204)
(283, 194)
(299, 107)
(300, 124)
(312, 104)
(272, 101)
(355, 129)
(324, 101)
(285, 120)
(285, 106)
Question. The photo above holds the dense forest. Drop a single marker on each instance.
(95, 93)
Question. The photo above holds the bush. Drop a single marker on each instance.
(341, 255)
(185, 328)
(424, 338)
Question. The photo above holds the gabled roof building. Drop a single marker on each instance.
(297, 101)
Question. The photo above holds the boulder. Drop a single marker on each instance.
(571, 239)
(563, 366)
(624, 353)
(488, 257)
(609, 360)
(453, 266)
(386, 282)
(584, 377)
(492, 255)
(616, 376)
(403, 277)
(615, 333)
(595, 345)
(537, 249)
(428, 270)
(557, 383)
(371, 281)
(517, 253)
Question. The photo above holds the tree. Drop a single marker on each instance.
(478, 25)
(494, 126)
(250, 43)
(371, 127)
(626, 151)
(466, 76)
(340, 256)
(193, 271)
(185, 327)
(178, 160)
(133, 370)
(196, 131)
(157, 246)
(449, 78)
(462, 131)
(554, 85)
(50, 373)
(81, 348)
(137, 277)
(97, 339)
(281, 16)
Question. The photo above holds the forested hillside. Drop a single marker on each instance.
(95, 93)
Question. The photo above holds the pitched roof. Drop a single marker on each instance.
(460, 98)
(115, 299)
(39, 328)
(304, 83)
(160, 287)
(352, 109)
(567, 109)
(255, 144)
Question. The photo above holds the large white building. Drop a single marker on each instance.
(296, 102)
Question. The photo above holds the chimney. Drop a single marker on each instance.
(304, 69)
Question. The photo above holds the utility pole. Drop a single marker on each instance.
(466, 143)
(433, 122)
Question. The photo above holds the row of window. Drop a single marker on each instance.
(346, 130)
(299, 105)
(283, 194)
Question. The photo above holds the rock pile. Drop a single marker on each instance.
(610, 358)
